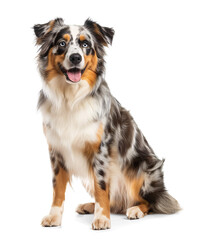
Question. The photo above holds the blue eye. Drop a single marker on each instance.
(62, 44)
(84, 45)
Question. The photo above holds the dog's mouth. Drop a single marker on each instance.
(73, 74)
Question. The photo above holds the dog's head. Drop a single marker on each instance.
(74, 52)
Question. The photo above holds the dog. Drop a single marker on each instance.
(89, 134)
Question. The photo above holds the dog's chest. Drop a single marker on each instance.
(67, 131)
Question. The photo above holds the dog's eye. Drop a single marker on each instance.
(84, 45)
(62, 44)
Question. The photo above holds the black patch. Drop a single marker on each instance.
(88, 50)
(48, 43)
(42, 99)
(39, 29)
(61, 33)
(56, 170)
(54, 181)
(52, 158)
(101, 173)
(62, 165)
(101, 162)
(61, 50)
(60, 160)
(102, 185)
(134, 165)
(158, 184)
(109, 145)
(84, 41)
(126, 129)
(92, 52)
(152, 197)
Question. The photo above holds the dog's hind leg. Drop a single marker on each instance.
(137, 211)
(140, 208)
(86, 208)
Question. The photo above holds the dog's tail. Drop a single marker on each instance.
(165, 204)
(160, 201)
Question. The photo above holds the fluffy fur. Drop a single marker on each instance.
(90, 135)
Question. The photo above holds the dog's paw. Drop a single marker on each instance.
(101, 223)
(134, 212)
(51, 221)
(86, 208)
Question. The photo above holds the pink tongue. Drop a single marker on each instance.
(74, 76)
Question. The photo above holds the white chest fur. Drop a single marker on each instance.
(68, 129)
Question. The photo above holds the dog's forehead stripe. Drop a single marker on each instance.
(78, 32)
(75, 32)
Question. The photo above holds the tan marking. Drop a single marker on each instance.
(52, 66)
(88, 150)
(51, 23)
(60, 187)
(102, 197)
(82, 38)
(90, 73)
(92, 147)
(144, 208)
(134, 186)
(66, 37)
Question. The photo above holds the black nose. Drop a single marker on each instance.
(75, 58)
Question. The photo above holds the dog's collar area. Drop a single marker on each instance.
(72, 75)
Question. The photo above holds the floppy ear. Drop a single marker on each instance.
(42, 30)
(102, 34)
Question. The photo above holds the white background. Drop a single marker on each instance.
(154, 68)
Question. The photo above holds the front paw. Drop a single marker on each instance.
(51, 220)
(101, 223)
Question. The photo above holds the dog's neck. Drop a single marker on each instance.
(61, 93)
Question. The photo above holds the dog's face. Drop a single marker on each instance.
(75, 52)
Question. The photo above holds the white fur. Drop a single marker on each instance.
(74, 48)
(134, 212)
(55, 216)
(117, 185)
(100, 221)
(70, 124)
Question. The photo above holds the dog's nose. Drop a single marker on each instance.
(75, 58)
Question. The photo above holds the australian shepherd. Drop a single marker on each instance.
(89, 134)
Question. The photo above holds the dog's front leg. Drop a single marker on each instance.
(101, 192)
(60, 179)
(102, 206)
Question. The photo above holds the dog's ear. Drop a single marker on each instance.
(42, 30)
(103, 35)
